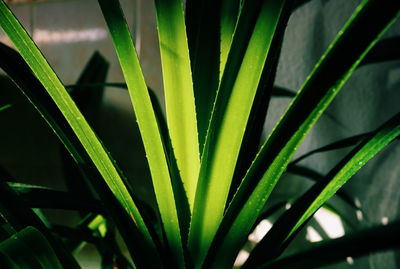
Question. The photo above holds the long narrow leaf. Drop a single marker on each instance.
(2, 108)
(147, 122)
(19, 216)
(179, 95)
(323, 190)
(88, 101)
(69, 110)
(252, 42)
(316, 176)
(14, 65)
(181, 200)
(343, 143)
(203, 32)
(327, 78)
(230, 10)
(255, 125)
(354, 245)
(385, 50)
(28, 249)
(41, 197)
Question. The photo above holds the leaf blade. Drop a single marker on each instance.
(348, 49)
(303, 209)
(41, 68)
(237, 91)
(178, 89)
(147, 122)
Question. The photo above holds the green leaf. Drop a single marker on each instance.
(18, 216)
(121, 85)
(203, 32)
(325, 81)
(88, 101)
(2, 108)
(342, 143)
(230, 10)
(303, 209)
(255, 124)
(316, 176)
(356, 244)
(178, 89)
(148, 125)
(85, 137)
(42, 197)
(238, 88)
(28, 249)
(14, 65)
(282, 92)
(386, 50)
(181, 200)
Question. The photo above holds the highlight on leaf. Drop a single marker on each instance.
(220, 196)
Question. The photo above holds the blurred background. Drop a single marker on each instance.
(70, 31)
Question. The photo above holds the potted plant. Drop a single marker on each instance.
(211, 179)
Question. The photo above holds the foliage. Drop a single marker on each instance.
(210, 178)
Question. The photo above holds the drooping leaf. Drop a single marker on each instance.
(325, 81)
(303, 209)
(28, 249)
(2, 108)
(343, 143)
(71, 127)
(18, 216)
(356, 244)
(178, 89)
(252, 50)
(316, 176)
(148, 125)
(282, 92)
(41, 197)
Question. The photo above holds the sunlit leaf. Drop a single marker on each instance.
(238, 88)
(321, 86)
(178, 89)
(88, 139)
(148, 125)
(289, 223)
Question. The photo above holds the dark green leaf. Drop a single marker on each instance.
(14, 65)
(251, 51)
(368, 241)
(282, 92)
(148, 126)
(203, 33)
(303, 209)
(2, 108)
(316, 176)
(88, 100)
(29, 249)
(385, 50)
(343, 143)
(325, 81)
(19, 216)
(41, 197)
